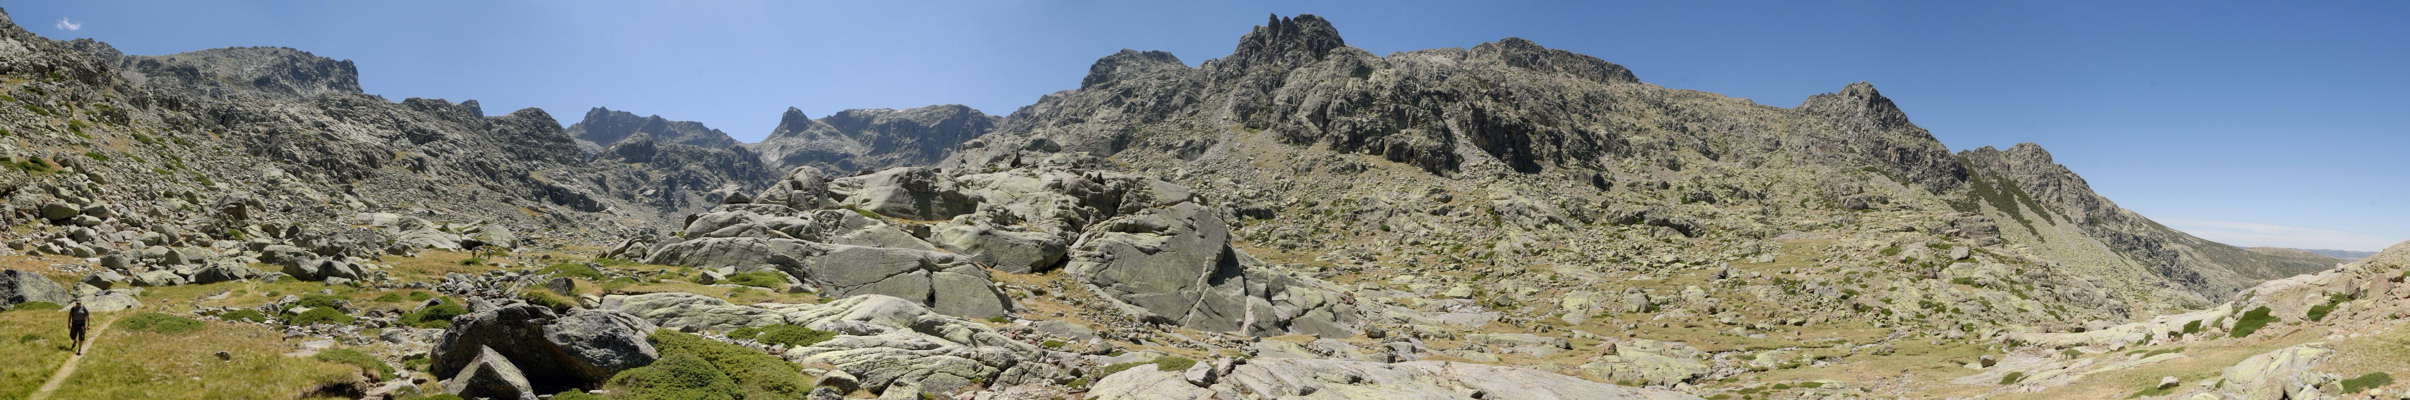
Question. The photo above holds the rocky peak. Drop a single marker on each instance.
(604, 127)
(1858, 102)
(1130, 63)
(245, 73)
(1286, 41)
(792, 122)
(1522, 53)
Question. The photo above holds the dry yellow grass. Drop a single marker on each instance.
(32, 344)
(142, 365)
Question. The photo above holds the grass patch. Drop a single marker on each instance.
(245, 315)
(159, 323)
(37, 343)
(2318, 312)
(545, 297)
(692, 367)
(2012, 378)
(783, 334)
(436, 316)
(2364, 382)
(2251, 322)
(35, 306)
(760, 279)
(2192, 327)
(573, 270)
(1161, 364)
(366, 362)
(143, 365)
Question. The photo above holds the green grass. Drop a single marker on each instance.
(244, 316)
(2251, 322)
(37, 343)
(760, 279)
(783, 334)
(1052, 344)
(545, 297)
(2012, 378)
(35, 306)
(2364, 382)
(158, 323)
(573, 270)
(125, 364)
(436, 316)
(96, 156)
(1161, 364)
(2192, 327)
(355, 357)
(2318, 312)
(692, 367)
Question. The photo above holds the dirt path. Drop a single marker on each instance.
(68, 368)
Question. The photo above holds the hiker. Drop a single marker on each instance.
(75, 325)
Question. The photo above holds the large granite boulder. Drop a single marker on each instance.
(948, 283)
(1175, 265)
(557, 352)
(20, 286)
(491, 376)
(883, 341)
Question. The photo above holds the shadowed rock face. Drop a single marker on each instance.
(604, 127)
(871, 139)
(236, 73)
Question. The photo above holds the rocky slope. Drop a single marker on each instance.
(1299, 218)
(604, 127)
(871, 139)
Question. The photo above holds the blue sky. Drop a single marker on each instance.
(2254, 124)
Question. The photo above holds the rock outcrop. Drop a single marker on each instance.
(554, 351)
(871, 139)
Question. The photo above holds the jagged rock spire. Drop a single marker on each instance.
(1282, 41)
(1858, 102)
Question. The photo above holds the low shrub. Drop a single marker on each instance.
(573, 270)
(760, 279)
(159, 323)
(2012, 378)
(435, 316)
(2251, 322)
(2364, 382)
(692, 367)
(545, 297)
(244, 316)
(783, 334)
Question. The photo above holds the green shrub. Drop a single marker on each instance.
(435, 316)
(574, 394)
(2012, 378)
(96, 156)
(323, 315)
(159, 323)
(1174, 364)
(572, 270)
(760, 279)
(473, 261)
(2318, 312)
(1052, 344)
(28, 338)
(676, 376)
(2192, 327)
(322, 301)
(2370, 381)
(2251, 322)
(357, 358)
(389, 298)
(36, 306)
(419, 295)
(783, 334)
(243, 315)
(1963, 281)
(1167, 363)
(545, 297)
(689, 365)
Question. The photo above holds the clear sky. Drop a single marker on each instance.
(2249, 123)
